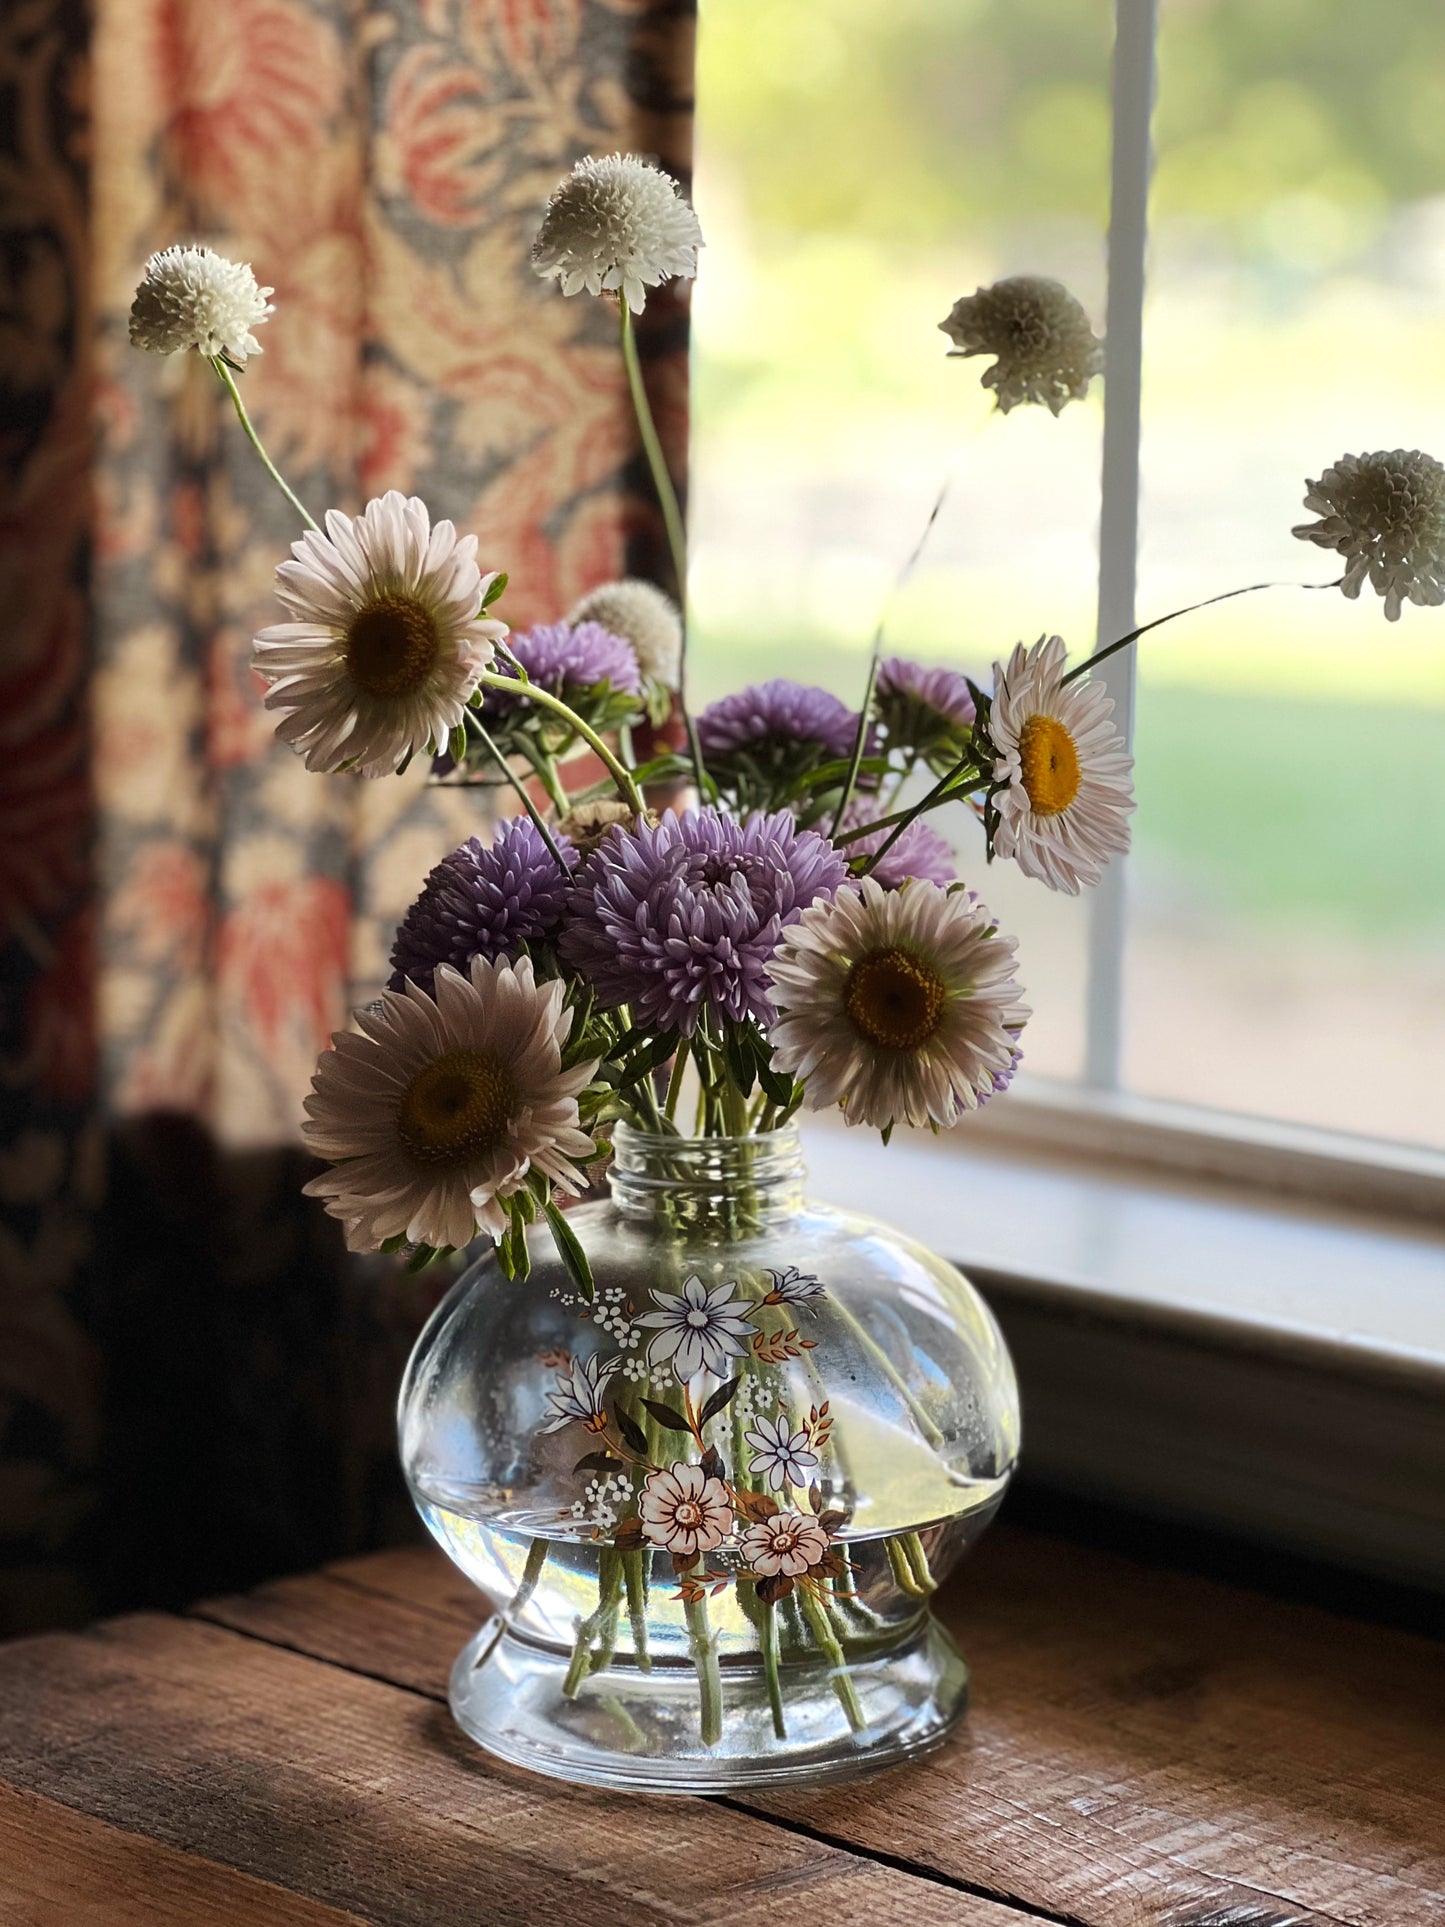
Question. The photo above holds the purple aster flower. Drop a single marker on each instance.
(776, 713)
(481, 901)
(925, 710)
(567, 658)
(919, 852)
(686, 915)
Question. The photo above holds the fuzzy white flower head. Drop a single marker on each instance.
(440, 1106)
(643, 616)
(1069, 794)
(899, 1005)
(191, 297)
(1044, 347)
(1385, 513)
(387, 641)
(616, 222)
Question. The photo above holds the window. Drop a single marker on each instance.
(1276, 945)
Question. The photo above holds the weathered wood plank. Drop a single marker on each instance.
(364, 1798)
(59, 1868)
(1143, 1747)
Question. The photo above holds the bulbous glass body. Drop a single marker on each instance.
(710, 1504)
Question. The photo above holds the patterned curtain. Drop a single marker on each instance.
(195, 1386)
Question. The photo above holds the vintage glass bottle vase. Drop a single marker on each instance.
(710, 1506)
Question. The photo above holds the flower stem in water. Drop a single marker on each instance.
(709, 1674)
(531, 1573)
(634, 1569)
(768, 1641)
(827, 1639)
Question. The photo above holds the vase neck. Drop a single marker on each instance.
(730, 1185)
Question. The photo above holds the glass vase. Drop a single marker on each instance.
(712, 1502)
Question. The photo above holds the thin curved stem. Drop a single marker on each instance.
(1250, 588)
(626, 788)
(475, 722)
(672, 521)
(228, 382)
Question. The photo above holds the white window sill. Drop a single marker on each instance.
(1194, 1347)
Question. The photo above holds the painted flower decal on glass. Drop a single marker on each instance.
(793, 1287)
(781, 1455)
(579, 1394)
(685, 1510)
(697, 1330)
(788, 1543)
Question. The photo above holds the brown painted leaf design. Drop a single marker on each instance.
(777, 1586)
(719, 1399)
(633, 1435)
(712, 1463)
(667, 1415)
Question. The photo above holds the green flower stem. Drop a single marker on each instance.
(1252, 588)
(709, 1673)
(860, 740)
(474, 722)
(903, 1574)
(531, 1573)
(634, 1568)
(885, 1364)
(609, 1599)
(674, 1083)
(913, 1552)
(672, 520)
(626, 788)
(608, 1589)
(768, 1641)
(827, 1640)
(228, 382)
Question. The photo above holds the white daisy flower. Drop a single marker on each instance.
(441, 1108)
(578, 1398)
(388, 640)
(616, 222)
(793, 1287)
(643, 616)
(781, 1455)
(1066, 808)
(1385, 513)
(684, 1510)
(898, 1005)
(1046, 351)
(789, 1543)
(697, 1330)
(192, 297)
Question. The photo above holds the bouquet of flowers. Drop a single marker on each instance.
(797, 936)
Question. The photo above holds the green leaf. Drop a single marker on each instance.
(719, 1400)
(396, 1243)
(667, 1415)
(777, 1087)
(405, 764)
(458, 744)
(496, 589)
(739, 1058)
(569, 1250)
(633, 1436)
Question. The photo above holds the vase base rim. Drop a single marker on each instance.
(640, 1731)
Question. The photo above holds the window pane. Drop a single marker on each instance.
(859, 167)
(1287, 938)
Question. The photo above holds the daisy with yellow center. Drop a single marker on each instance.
(901, 1006)
(1067, 797)
(388, 639)
(440, 1106)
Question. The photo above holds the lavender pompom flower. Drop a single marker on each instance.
(761, 743)
(594, 671)
(919, 852)
(684, 917)
(927, 713)
(482, 902)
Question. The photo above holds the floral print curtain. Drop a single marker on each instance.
(195, 1387)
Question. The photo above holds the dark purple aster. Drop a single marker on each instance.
(919, 852)
(926, 710)
(482, 901)
(565, 656)
(776, 713)
(687, 914)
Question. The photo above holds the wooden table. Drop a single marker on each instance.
(1143, 1747)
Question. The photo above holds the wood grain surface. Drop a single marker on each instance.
(1144, 1750)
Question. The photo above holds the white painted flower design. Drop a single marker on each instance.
(789, 1543)
(579, 1394)
(783, 1456)
(684, 1510)
(697, 1330)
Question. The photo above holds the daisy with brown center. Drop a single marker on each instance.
(441, 1105)
(787, 1543)
(388, 639)
(1067, 797)
(898, 1005)
(685, 1510)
